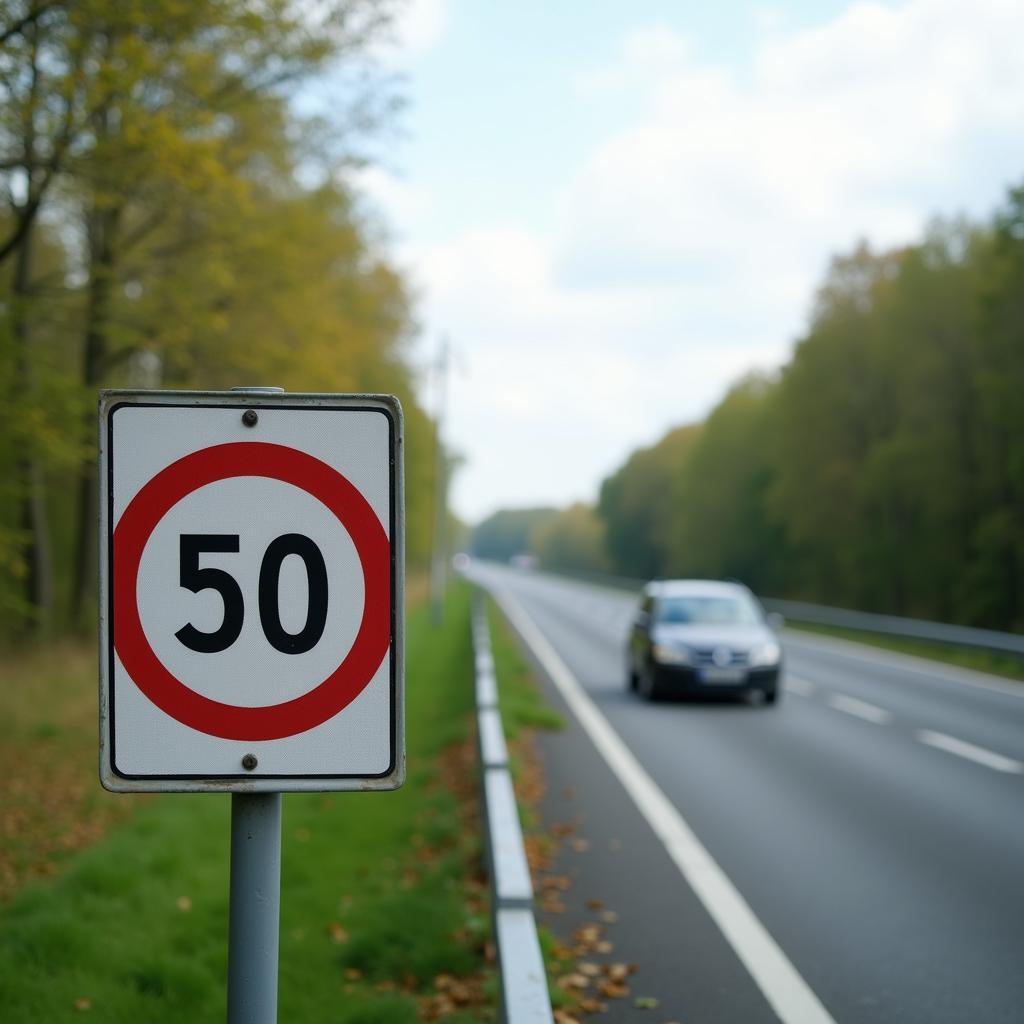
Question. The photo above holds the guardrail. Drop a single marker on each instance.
(895, 625)
(524, 989)
(845, 618)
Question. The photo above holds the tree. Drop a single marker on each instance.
(997, 568)
(638, 508)
(158, 195)
(507, 532)
(571, 540)
(722, 526)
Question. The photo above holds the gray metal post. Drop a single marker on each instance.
(255, 907)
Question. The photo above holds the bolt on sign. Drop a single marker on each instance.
(251, 585)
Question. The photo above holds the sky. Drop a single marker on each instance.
(613, 211)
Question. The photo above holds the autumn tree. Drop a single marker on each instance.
(203, 234)
(572, 540)
(722, 526)
(638, 507)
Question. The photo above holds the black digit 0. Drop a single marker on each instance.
(270, 609)
(193, 578)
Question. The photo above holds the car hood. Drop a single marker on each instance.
(737, 637)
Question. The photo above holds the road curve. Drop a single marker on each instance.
(871, 823)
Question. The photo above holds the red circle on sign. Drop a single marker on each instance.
(344, 684)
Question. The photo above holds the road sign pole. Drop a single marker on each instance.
(255, 908)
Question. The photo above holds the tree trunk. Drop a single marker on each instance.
(102, 247)
(35, 548)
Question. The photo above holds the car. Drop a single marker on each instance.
(693, 637)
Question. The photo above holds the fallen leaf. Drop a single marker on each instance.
(595, 904)
(575, 980)
(617, 972)
(337, 933)
(646, 1003)
(609, 916)
(352, 974)
(580, 845)
(563, 883)
(183, 903)
(83, 1003)
(592, 970)
(613, 989)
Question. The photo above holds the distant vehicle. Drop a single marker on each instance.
(694, 637)
(523, 561)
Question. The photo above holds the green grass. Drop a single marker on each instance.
(380, 892)
(980, 661)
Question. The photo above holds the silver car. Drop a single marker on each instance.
(692, 637)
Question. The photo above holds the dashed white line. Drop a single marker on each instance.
(859, 709)
(801, 687)
(786, 991)
(961, 748)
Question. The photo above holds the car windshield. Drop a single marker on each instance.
(706, 610)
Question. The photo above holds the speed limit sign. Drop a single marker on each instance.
(250, 591)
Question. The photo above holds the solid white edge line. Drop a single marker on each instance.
(961, 748)
(859, 709)
(782, 986)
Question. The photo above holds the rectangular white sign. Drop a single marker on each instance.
(251, 591)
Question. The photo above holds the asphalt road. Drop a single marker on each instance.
(871, 825)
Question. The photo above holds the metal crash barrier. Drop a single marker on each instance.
(524, 989)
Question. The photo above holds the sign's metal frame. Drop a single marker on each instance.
(109, 401)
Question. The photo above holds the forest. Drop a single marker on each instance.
(173, 215)
(881, 468)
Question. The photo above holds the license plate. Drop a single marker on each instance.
(723, 675)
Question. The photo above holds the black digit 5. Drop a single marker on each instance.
(193, 578)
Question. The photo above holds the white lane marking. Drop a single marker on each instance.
(859, 709)
(950, 744)
(916, 664)
(786, 991)
(801, 687)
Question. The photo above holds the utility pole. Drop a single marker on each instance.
(439, 557)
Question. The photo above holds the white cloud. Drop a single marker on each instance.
(645, 54)
(837, 131)
(420, 24)
(689, 244)
(402, 200)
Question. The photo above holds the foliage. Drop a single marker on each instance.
(883, 467)
(168, 219)
(572, 540)
(637, 504)
(507, 533)
(720, 526)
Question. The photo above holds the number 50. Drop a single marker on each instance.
(196, 579)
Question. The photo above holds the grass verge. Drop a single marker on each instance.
(979, 661)
(384, 911)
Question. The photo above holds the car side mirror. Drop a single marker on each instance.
(776, 620)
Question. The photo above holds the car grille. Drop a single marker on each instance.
(703, 657)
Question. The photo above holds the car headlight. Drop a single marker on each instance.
(766, 654)
(671, 654)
